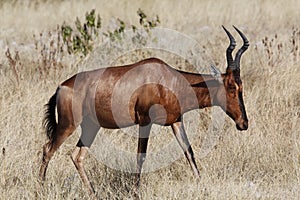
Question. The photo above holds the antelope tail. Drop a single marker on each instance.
(49, 121)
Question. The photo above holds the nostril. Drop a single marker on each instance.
(242, 126)
(245, 125)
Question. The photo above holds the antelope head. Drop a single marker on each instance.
(230, 96)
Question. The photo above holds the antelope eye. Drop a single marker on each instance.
(232, 88)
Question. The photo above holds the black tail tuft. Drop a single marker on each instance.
(49, 121)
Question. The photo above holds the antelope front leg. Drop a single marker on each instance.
(144, 132)
(183, 141)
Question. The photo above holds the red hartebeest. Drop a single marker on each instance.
(144, 93)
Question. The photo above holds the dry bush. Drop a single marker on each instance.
(261, 163)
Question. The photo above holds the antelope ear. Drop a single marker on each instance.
(216, 73)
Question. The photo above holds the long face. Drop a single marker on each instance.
(232, 100)
(230, 97)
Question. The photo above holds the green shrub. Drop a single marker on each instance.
(81, 39)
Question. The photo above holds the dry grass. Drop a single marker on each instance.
(261, 163)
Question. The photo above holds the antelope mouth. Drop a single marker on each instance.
(242, 126)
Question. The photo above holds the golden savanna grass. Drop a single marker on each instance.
(260, 163)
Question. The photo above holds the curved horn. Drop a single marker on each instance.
(230, 61)
(242, 49)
